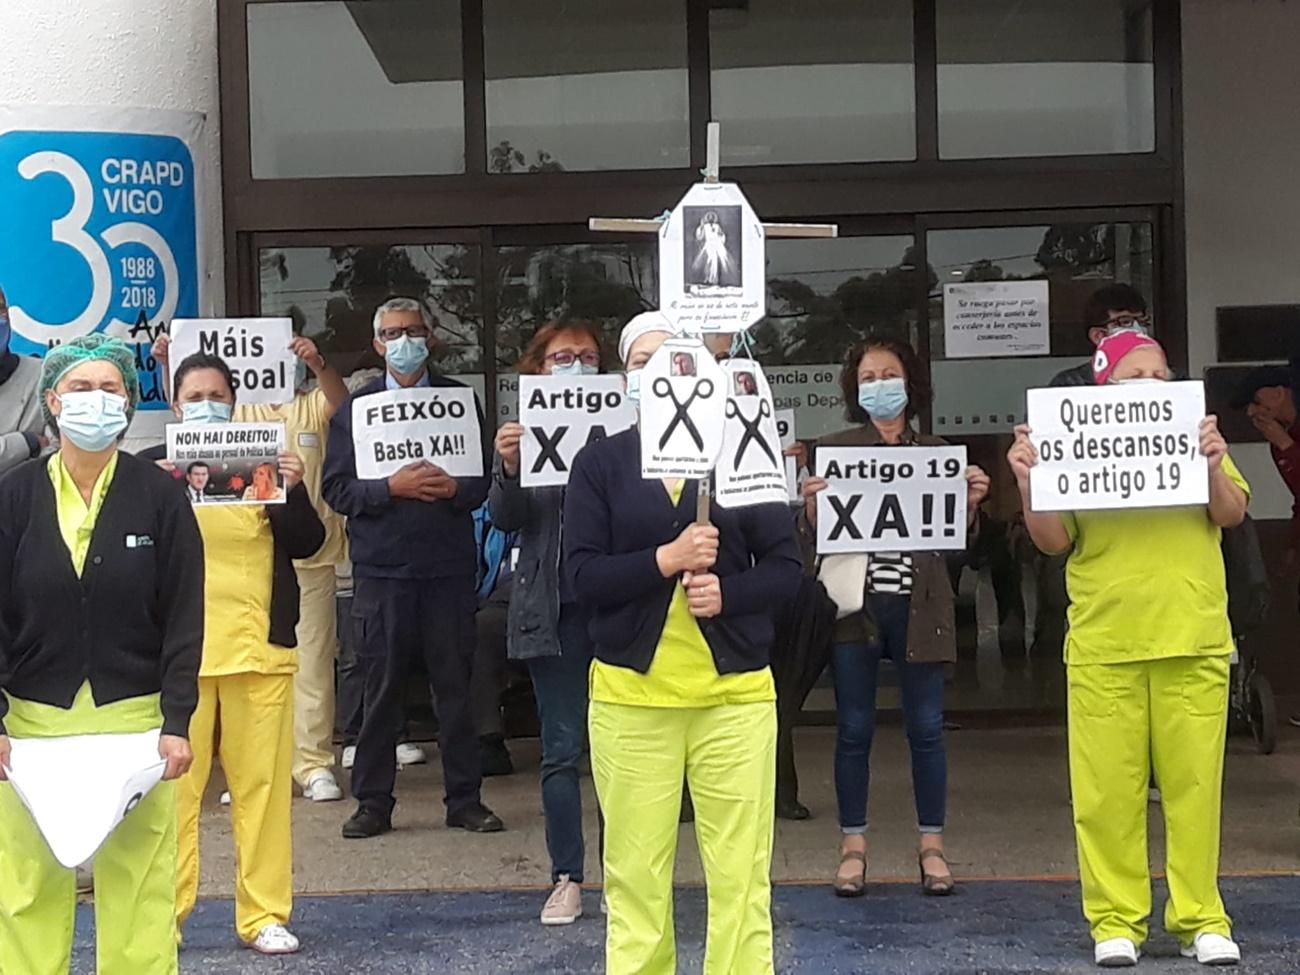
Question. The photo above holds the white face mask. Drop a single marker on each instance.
(1136, 380)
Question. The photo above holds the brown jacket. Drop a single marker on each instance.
(931, 630)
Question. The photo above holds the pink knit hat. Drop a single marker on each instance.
(1115, 347)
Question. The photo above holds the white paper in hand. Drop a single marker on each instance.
(80, 787)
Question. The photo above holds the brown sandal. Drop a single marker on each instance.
(856, 887)
(935, 885)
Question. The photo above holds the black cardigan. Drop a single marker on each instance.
(132, 624)
(614, 520)
(298, 533)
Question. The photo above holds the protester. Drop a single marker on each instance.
(681, 622)
(547, 629)
(245, 709)
(1110, 309)
(493, 584)
(1267, 395)
(22, 422)
(413, 562)
(96, 637)
(1147, 673)
(906, 614)
(306, 422)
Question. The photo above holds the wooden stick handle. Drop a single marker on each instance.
(702, 500)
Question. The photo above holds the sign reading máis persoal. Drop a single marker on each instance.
(256, 350)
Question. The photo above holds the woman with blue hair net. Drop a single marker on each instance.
(101, 629)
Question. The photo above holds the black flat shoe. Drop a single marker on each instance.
(935, 885)
(494, 757)
(364, 824)
(792, 809)
(477, 818)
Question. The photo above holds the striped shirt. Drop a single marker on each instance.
(890, 573)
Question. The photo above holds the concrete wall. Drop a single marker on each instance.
(1241, 109)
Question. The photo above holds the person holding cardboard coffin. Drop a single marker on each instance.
(1147, 676)
(306, 424)
(900, 606)
(97, 636)
(546, 628)
(245, 709)
(22, 419)
(413, 567)
(681, 621)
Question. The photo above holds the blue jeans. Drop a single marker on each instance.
(560, 686)
(856, 669)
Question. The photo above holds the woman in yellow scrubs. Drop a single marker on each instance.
(101, 625)
(681, 621)
(1147, 671)
(245, 709)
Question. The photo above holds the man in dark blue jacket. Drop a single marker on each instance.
(413, 569)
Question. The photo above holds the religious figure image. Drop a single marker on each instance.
(712, 252)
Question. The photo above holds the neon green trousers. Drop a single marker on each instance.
(1124, 719)
(728, 755)
(135, 869)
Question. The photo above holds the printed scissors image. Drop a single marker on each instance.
(664, 390)
(752, 432)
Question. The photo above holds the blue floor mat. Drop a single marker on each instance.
(1004, 927)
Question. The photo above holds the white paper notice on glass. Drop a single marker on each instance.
(561, 415)
(982, 319)
(437, 424)
(1135, 445)
(785, 421)
(78, 788)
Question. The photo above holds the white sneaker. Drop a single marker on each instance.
(1116, 953)
(275, 939)
(225, 798)
(349, 756)
(564, 906)
(408, 754)
(1213, 949)
(322, 787)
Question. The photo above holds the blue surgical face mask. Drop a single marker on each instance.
(405, 354)
(883, 399)
(633, 386)
(1132, 326)
(4, 333)
(92, 420)
(299, 374)
(575, 368)
(206, 411)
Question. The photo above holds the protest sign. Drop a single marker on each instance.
(891, 499)
(711, 261)
(228, 463)
(255, 349)
(785, 422)
(560, 416)
(683, 407)
(438, 424)
(992, 318)
(78, 788)
(1133, 445)
(750, 469)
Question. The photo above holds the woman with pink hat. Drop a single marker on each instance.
(1147, 670)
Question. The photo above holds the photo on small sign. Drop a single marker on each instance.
(683, 364)
(712, 255)
(240, 481)
(744, 384)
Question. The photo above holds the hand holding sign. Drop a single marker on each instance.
(703, 594)
(175, 751)
(694, 550)
(507, 446)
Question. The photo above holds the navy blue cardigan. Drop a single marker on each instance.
(614, 520)
(399, 538)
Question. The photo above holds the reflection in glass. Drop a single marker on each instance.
(817, 81)
(1053, 77)
(332, 293)
(585, 85)
(355, 89)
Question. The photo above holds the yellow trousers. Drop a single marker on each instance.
(247, 721)
(728, 755)
(1125, 718)
(135, 869)
(313, 686)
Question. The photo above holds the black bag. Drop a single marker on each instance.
(802, 647)
(1249, 591)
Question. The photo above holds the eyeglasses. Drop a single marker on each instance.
(1128, 319)
(565, 358)
(394, 332)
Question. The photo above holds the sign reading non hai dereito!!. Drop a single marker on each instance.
(891, 499)
(561, 415)
(438, 424)
(256, 350)
(1133, 445)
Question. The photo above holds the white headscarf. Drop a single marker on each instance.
(642, 324)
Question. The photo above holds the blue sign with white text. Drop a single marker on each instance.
(99, 234)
